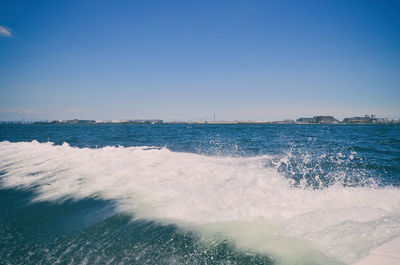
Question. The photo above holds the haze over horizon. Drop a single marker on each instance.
(181, 60)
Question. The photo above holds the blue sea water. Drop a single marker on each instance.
(197, 194)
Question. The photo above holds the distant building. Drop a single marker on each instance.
(366, 119)
(318, 119)
(396, 121)
(201, 121)
(148, 121)
(288, 121)
(382, 120)
(221, 122)
(305, 120)
(75, 121)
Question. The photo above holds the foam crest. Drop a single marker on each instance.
(236, 197)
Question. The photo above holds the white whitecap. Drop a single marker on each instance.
(234, 197)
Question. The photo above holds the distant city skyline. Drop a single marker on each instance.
(171, 60)
(323, 119)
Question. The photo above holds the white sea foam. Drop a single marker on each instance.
(232, 197)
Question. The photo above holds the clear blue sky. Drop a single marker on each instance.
(185, 60)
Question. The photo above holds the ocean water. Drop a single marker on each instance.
(197, 194)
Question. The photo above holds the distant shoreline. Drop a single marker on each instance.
(367, 119)
(194, 123)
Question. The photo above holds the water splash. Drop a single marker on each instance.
(264, 203)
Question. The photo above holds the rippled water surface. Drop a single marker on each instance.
(197, 194)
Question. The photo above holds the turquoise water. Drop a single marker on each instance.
(197, 194)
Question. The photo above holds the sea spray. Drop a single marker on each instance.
(245, 199)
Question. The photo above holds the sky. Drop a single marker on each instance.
(186, 60)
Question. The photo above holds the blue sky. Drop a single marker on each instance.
(186, 60)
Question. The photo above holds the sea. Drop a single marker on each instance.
(197, 193)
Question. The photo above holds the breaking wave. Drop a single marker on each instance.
(245, 199)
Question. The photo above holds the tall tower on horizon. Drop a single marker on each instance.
(214, 116)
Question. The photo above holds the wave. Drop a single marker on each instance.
(245, 199)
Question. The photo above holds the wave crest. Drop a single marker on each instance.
(207, 191)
